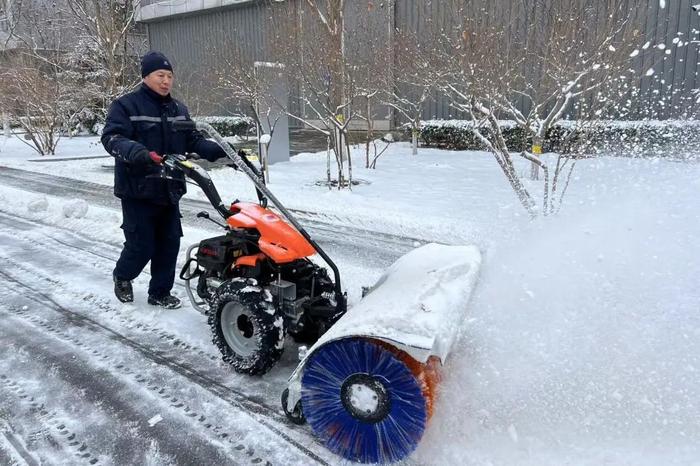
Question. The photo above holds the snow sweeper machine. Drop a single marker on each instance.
(368, 383)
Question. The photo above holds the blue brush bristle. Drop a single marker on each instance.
(394, 430)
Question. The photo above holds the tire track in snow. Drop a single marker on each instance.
(244, 404)
(102, 304)
(73, 372)
(40, 244)
(13, 445)
(50, 428)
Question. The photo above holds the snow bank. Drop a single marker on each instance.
(584, 340)
(76, 208)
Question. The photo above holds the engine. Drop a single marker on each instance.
(302, 292)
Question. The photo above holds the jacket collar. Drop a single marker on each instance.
(154, 95)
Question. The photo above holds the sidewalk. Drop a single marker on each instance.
(300, 140)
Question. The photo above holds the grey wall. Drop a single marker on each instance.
(676, 74)
(194, 41)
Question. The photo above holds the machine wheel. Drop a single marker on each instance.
(246, 327)
(296, 415)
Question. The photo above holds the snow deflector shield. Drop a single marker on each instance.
(382, 352)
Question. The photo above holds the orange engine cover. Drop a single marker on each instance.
(278, 240)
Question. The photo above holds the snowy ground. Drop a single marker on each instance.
(581, 344)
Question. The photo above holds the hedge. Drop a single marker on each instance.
(626, 137)
(230, 126)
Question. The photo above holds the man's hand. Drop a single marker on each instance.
(145, 157)
(157, 159)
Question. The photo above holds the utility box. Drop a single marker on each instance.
(271, 110)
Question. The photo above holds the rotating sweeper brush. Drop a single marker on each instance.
(368, 386)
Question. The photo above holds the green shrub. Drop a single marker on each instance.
(458, 135)
(230, 126)
(636, 138)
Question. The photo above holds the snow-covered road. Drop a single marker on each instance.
(119, 372)
(142, 388)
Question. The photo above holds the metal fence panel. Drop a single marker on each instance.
(196, 43)
(192, 42)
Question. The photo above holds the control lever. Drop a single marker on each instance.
(204, 214)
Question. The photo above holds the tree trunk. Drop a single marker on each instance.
(339, 155)
(347, 149)
(414, 141)
(6, 125)
(521, 192)
(506, 163)
(265, 162)
(370, 132)
(415, 132)
(328, 163)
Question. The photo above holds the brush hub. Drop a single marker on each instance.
(365, 397)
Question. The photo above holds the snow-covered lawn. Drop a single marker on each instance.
(582, 341)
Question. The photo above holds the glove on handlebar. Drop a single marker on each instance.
(145, 157)
(155, 157)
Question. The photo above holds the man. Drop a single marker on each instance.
(138, 131)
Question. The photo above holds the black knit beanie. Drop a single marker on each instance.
(153, 61)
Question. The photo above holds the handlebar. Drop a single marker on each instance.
(199, 176)
(190, 125)
(258, 181)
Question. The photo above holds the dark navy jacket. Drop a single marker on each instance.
(143, 120)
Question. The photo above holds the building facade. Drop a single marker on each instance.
(192, 32)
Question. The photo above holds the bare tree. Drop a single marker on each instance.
(69, 59)
(6, 28)
(417, 71)
(313, 49)
(36, 96)
(246, 84)
(545, 65)
(108, 47)
(327, 92)
(6, 126)
(40, 90)
(370, 57)
(568, 59)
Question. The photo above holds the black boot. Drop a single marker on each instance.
(123, 290)
(168, 301)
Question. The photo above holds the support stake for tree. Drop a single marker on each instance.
(536, 152)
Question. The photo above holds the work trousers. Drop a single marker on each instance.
(152, 232)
